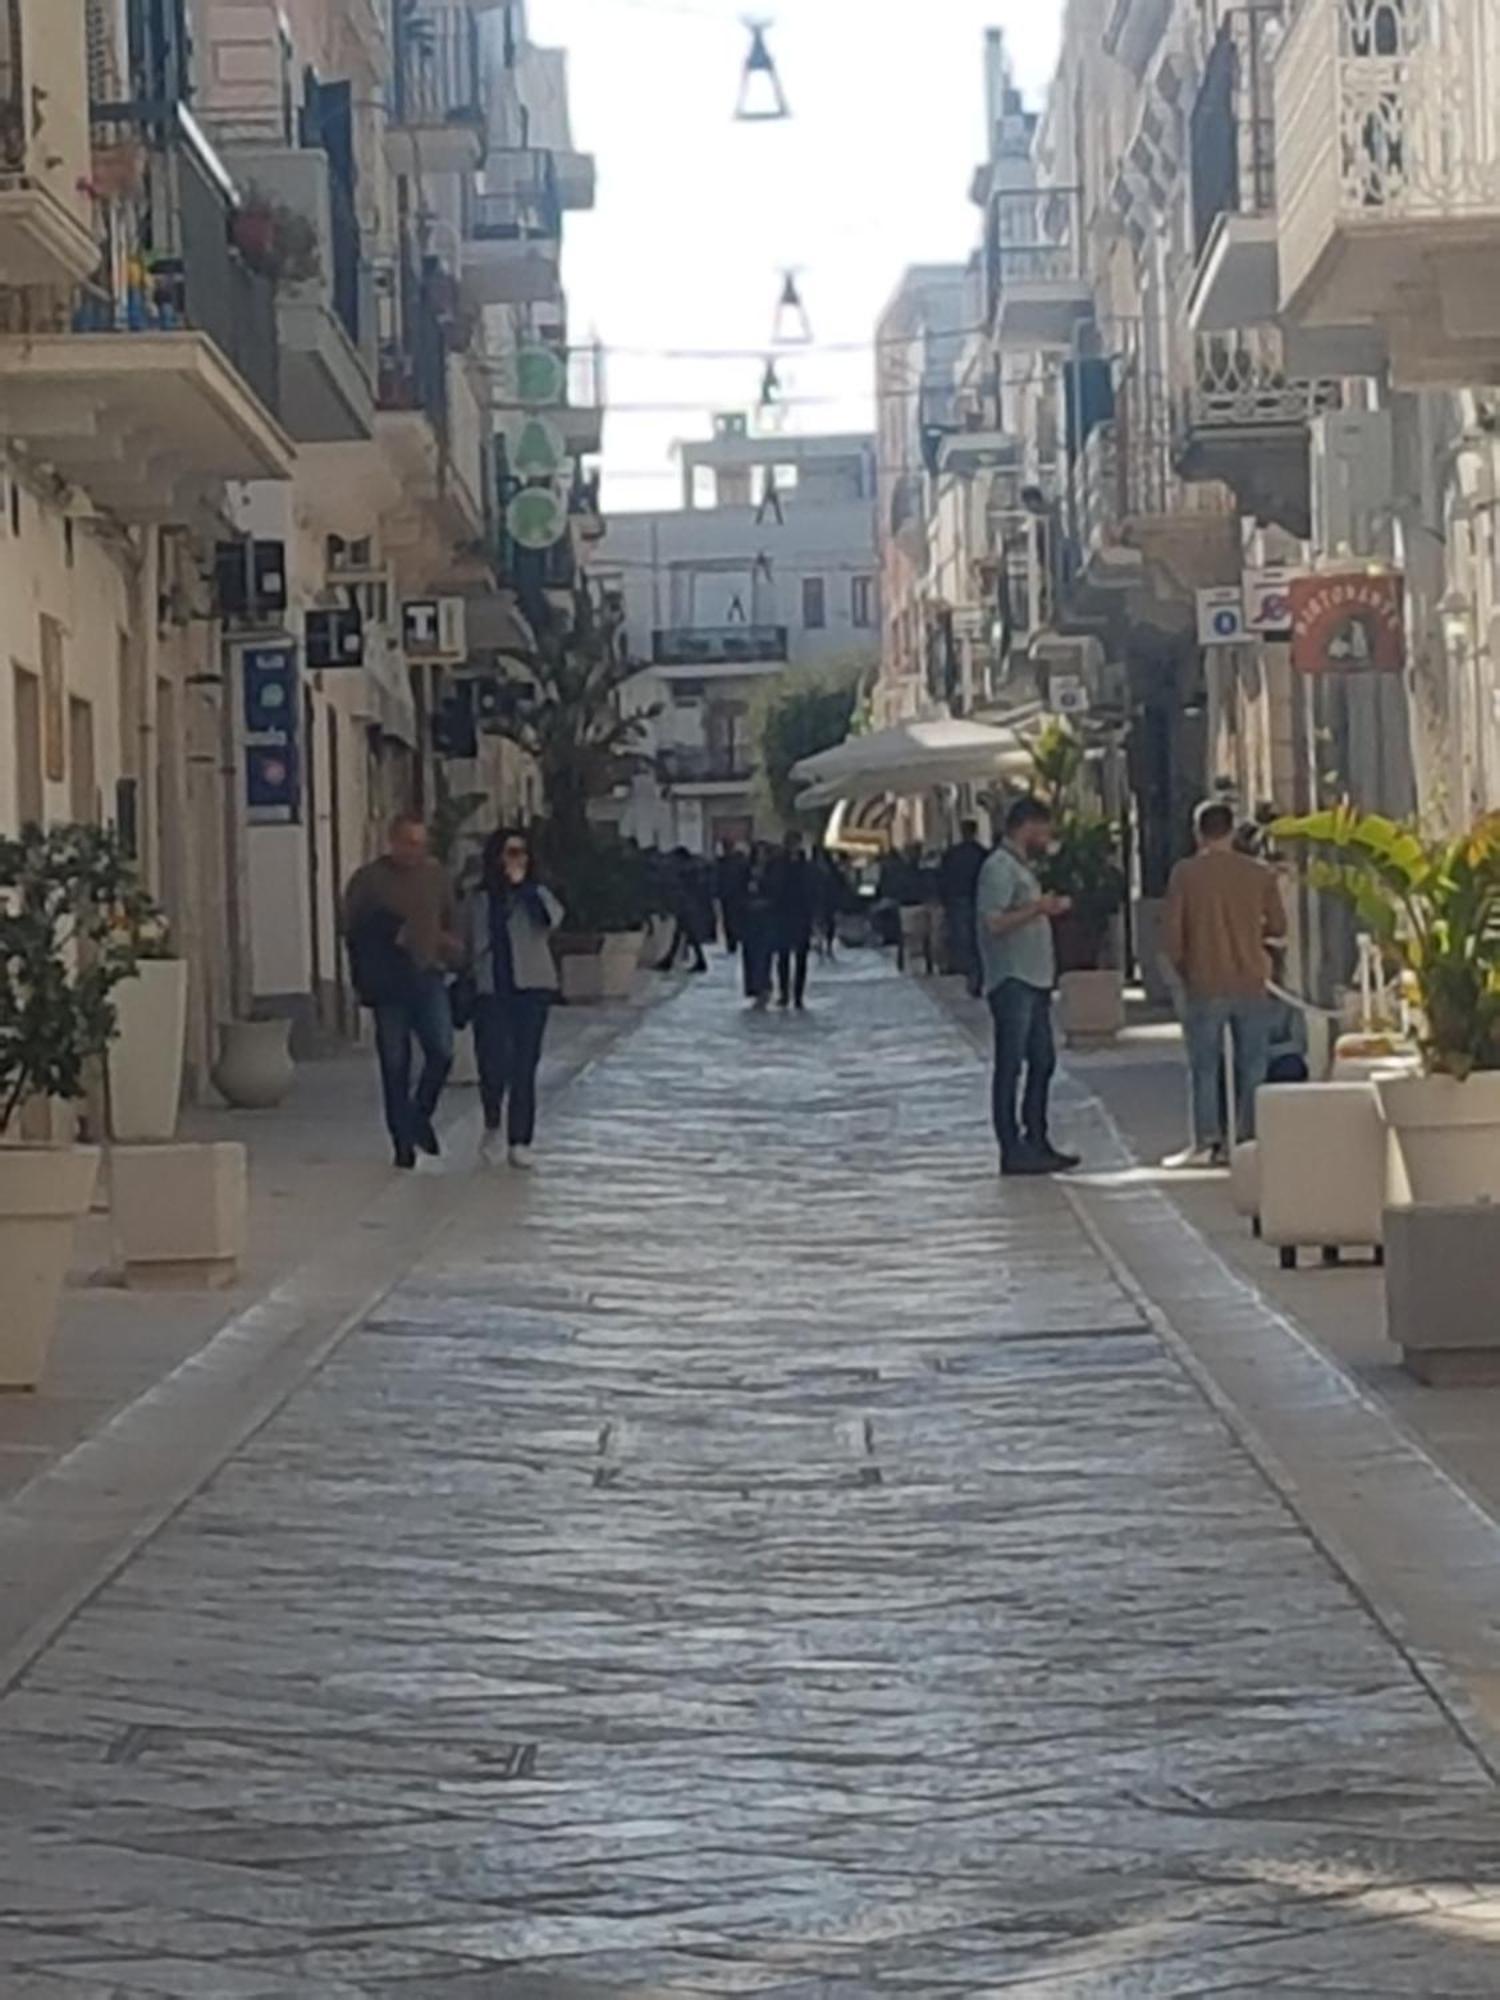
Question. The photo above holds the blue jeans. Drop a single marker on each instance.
(1249, 1021)
(424, 1016)
(1022, 1016)
(508, 1032)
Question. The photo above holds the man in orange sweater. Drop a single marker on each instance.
(1223, 915)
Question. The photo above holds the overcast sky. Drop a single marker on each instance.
(698, 216)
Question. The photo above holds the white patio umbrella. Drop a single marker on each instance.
(912, 757)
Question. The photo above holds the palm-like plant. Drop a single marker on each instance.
(1084, 863)
(1433, 906)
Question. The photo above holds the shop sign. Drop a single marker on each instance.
(1348, 622)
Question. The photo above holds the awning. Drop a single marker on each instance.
(913, 757)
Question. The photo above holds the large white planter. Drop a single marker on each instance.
(619, 962)
(255, 1068)
(1446, 1135)
(44, 1191)
(145, 1057)
(1091, 1007)
(180, 1213)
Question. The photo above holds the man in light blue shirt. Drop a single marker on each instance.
(1020, 971)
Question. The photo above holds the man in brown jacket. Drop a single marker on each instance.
(1223, 914)
(400, 925)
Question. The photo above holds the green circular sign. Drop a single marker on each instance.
(536, 518)
(541, 376)
(537, 449)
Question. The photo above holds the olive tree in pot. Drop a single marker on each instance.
(571, 719)
(1084, 865)
(1434, 907)
(69, 914)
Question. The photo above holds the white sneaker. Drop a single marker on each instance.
(521, 1158)
(491, 1149)
(1193, 1156)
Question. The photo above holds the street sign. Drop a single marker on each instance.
(541, 377)
(536, 517)
(1221, 615)
(1349, 621)
(335, 638)
(1268, 600)
(1069, 694)
(534, 447)
(273, 787)
(434, 628)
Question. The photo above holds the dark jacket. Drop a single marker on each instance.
(958, 877)
(793, 897)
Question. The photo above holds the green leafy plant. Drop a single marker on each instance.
(277, 241)
(1433, 906)
(801, 715)
(601, 883)
(71, 914)
(1084, 862)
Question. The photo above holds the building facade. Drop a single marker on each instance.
(769, 566)
(267, 276)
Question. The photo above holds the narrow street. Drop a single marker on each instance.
(762, 1554)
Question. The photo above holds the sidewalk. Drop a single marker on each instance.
(317, 1165)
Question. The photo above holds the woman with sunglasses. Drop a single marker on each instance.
(509, 924)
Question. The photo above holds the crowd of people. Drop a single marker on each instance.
(425, 961)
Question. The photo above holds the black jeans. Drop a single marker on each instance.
(508, 1035)
(1023, 1042)
(963, 944)
(791, 972)
(426, 1017)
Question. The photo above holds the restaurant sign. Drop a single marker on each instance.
(1348, 622)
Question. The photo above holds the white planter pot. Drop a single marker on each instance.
(180, 1213)
(1446, 1135)
(145, 1057)
(619, 961)
(1091, 1006)
(44, 1191)
(255, 1068)
(581, 974)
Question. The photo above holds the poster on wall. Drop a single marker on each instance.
(273, 770)
(1348, 622)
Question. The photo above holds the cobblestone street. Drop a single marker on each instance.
(764, 1554)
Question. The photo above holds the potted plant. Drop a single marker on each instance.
(1433, 905)
(63, 952)
(277, 242)
(1084, 865)
(145, 1058)
(602, 887)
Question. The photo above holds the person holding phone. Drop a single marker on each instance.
(1020, 971)
(509, 924)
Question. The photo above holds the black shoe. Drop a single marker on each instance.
(1059, 1162)
(406, 1158)
(1033, 1165)
(427, 1139)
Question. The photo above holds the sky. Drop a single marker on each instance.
(699, 217)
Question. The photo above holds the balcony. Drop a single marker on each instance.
(1041, 295)
(432, 435)
(512, 251)
(706, 767)
(731, 646)
(1388, 166)
(1243, 420)
(438, 119)
(584, 507)
(325, 320)
(582, 416)
(46, 227)
(1233, 177)
(162, 382)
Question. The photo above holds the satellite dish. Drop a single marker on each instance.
(536, 518)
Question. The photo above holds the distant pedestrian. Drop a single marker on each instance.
(731, 882)
(958, 885)
(1020, 971)
(508, 926)
(828, 901)
(1223, 918)
(400, 927)
(690, 910)
(793, 895)
(757, 938)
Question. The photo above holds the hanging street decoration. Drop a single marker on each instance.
(770, 384)
(536, 517)
(792, 326)
(536, 448)
(762, 99)
(541, 377)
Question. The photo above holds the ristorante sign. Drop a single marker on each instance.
(1348, 622)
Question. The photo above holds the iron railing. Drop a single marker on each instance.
(519, 201)
(719, 645)
(1232, 128)
(170, 261)
(1239, 382)
(413, 371)
(711, 764)
(438, 71)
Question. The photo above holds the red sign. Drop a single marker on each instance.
(1348, 622)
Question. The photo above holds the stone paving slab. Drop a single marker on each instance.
(766, 1554)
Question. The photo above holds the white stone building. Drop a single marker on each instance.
(768, 566)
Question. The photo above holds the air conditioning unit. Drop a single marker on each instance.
(1352, 464)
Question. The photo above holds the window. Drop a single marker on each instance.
(814, 603)
(27, 695)
(862, 601)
